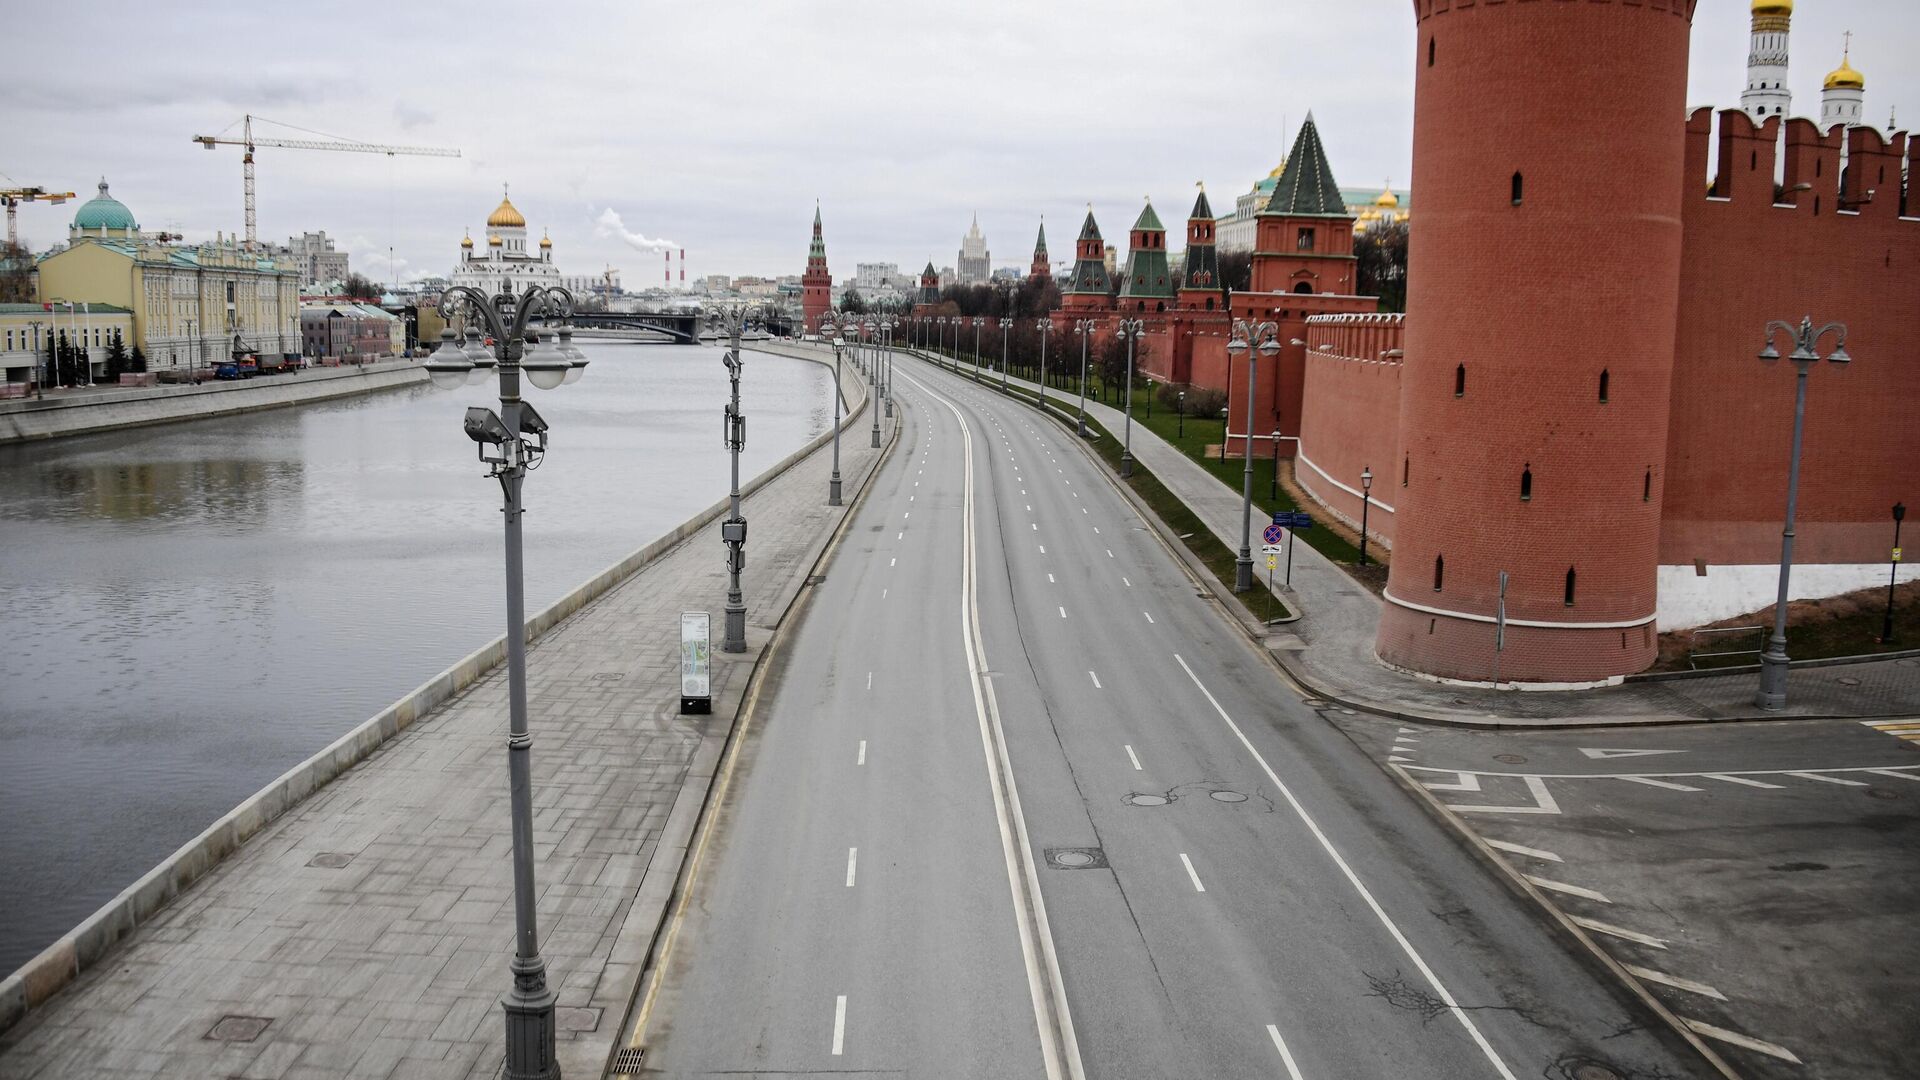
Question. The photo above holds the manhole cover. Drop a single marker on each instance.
(1882, 793)
(608, 676)
(1594, 1072)
(232, 1028)
(577, 1019)
(331, 860)
(1076, 858)
(1510, 759)
(1228, 796)
(1848, 681)
(1146, 800)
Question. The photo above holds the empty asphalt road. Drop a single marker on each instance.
(1018, 800)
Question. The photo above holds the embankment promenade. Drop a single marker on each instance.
(359, 911)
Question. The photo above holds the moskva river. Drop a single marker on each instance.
(187, 611)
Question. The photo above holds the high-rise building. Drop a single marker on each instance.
(316, 258)
(976, 263)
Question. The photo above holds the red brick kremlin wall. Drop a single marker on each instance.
(1830, 255)
(1545, 259)
(1353, 385)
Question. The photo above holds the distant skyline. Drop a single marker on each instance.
(652, 122)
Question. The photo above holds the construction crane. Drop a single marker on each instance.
(606, 284)
(14, 196)
(249, 142)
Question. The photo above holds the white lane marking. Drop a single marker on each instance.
(1029, 508)
(909, 498)
(862, 759)
(1827, 779)
(883, 594)
(1036, 526)
(1059, 1045)
(1096, 681)
(869, 680)
(1148, 614)
(1293, 1071)
(1063, 613)
(1543, 802)
(1403, 739)
(853, 860)
(1123, 577)
(1620, 932)
(1043, 549)
(1724, 778)
(1083, 509)
(906, 515)
(1050, 580)
(1398, 760)
(839, 1023)
(1601, 753)
(1895, 773)
(891, 562)
(900, 536)
(1353, 879)
(1570, 890)
(1131, 756)
(1674, 981)
(1735, 1038)
(1188, 863)
(1651, 782)
(1109, 553)
(1668, 775)
(1522, 849)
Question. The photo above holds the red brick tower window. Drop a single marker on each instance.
(1439, 571)
(1604, 378)
(1460, 381)
(1526, 482)
(1516, 189)
(1569, 586)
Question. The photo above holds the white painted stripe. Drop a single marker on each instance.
(883, 594)
(893, 561)
(1148, 614)
(906, 515)
(1895, 773)
(853, 860)
(1425, 609)
(1674, 981)
(1466, 782)
(1123, 577)
(1353, 879)
(1096, 680)
(1043, 549)
(900, 536)
(1063, 613)
(1293, 1071)
(1724, 778)
(1036, 525)
(1131, 756)
(1651, 782)
(839, 1023)
(1096, 528)
(1827, 779)
(1188, 863)
(1109, 553)
(1570, 890)
(1403, 739)
(1522, 849)
(1396, 760)
(1620, 932)
(1543, 802)
(1050, 579)
(862, 759)
(1735, 1038)
(869, 680)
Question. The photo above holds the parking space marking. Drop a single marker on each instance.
(1571, 890)
(1522, 849)
(1674, 981)
(1736, 1039)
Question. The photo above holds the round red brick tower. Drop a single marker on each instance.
(1543, 289)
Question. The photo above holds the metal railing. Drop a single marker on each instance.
(1694, 655)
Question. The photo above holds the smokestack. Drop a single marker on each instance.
(683, 266)
(669, 254)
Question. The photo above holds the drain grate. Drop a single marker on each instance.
(1076, 858)
(627, 1062)
(331, 860)
(232, 1028)
(817, 579)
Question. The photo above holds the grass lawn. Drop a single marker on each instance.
(1847, 625)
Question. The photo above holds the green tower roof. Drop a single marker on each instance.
(1040, 244)
(1149, 220)
(1091, 230)
(1307, 187)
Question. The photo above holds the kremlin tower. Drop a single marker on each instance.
(1090, 287)
(1042, 268)
(1146, 285)
(816, 284)
(1534, 405)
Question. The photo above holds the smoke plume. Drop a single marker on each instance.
(609, 224)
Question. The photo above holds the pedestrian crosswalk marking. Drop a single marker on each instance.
(1908, 730)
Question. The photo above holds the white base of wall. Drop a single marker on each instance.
(1488, 684)
(1687, 599)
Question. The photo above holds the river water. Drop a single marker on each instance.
(187, 611)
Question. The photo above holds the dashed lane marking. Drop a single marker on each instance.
(1570, 890)
(1133, 758)
(853, 860)
(1096, 681)
(1188, 863)
(862, 758)
(839, 1024)
(1293, 1071)
(1758, 1046)
(1522, 849)
(1620, 932)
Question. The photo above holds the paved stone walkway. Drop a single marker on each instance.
(371, 926)
(1331, 646)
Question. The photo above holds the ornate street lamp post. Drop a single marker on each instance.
(978, 322)
(734, 316)
(1893, 573)
(510, 443)
(1084, 328)
(1772, 694)
(1273, 482)
(1180, 412)
(1130, 329)
(1045, 326)
(1149, 397)
(869, 330)
(1006, 332)
(1256, 339)
(831, 331)
(1366, 503)
(886, 363)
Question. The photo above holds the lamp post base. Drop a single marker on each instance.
(1126, 465)
(530, 1029)
(876, 436)
(1243, 573)
(736, 639)
(1772, 695)
(833, 492)
(889, 408)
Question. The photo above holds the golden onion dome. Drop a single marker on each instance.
(1277, 171)
(466, 241)
(1844, 78)
(1773, 7)
(545, 242)
(1387, 199)
(505, 216)
(493, 240)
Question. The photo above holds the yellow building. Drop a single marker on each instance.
(191, 304)
(27, 329)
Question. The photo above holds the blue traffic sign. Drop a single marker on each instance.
(1292, 519)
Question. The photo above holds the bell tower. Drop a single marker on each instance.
(816, 284)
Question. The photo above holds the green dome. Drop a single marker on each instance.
(103, 211)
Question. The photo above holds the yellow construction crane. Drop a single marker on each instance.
(14, 196)
(247, 140)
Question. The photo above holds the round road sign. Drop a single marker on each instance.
(1274, 534)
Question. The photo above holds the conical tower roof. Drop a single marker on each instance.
(1307, 186)
(818, 249)
(1040, 243)
(1090, 230)
(1201, 208)
(1149, 220)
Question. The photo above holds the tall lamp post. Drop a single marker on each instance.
(1255, 339)
(510, 443)
(734, 316)
(1045, 326)
(978, 322)
(1893, 573)
(831, 331)
(1273, 482)
(1149, 397)
(1130, 329)
(1006, 333)
(1772, 694)
(886, 362)
(1366, 501)
(1084, 328)
(38, 377)
(1180, 412)
(871, 328)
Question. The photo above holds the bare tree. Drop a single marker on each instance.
(1381, 255)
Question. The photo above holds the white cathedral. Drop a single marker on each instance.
(506, 266)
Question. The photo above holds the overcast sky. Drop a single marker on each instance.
(717, 125)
